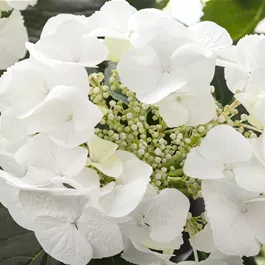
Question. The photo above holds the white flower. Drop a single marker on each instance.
(69, 227)
(102, 155)
(118, 22)
(13, 35)
(26, 85)
(158, 222)
(215, 39)
(6, 5)
(225, 153)
(69, 43)
(236, 217)
(55, 22)
(137, 254)
(216, 258)
(112, 20)
(191, 106)
(42, 163)
(203, 240)
(13, 129)
(187, 12)
(162, 69)
(246, 74)
(121, 197)
(66, 116)
(254, 105)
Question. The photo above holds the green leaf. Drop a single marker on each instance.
(19, 246)
(249, 261)
(160, 4)
(140, 4)
(222, 92)
(239, 17)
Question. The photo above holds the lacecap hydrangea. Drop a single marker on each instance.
(103, 165)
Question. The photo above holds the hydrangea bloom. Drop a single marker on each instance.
(97, 167)
(13, 35)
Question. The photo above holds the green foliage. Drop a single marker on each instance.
(160, 4)
(222, 93)
(239, 17)
(140, 4)
(19, 246)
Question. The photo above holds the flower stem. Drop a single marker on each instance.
(196, 257)
(251, 127)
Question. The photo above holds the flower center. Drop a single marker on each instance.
(69, 118)
(179, 98)
(228, 171)
(166, 69)
(244, 209)
(73, 222)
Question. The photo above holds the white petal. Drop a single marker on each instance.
(93, 51)
(140, 234)
(117, 48)
(37, 80)
(54, 22)
(255, 217)
(252, 47)
(257, 78)
(165, 35)
(183, 12)
(67, 136)
(73, 46)
(172, 111)
(143, 63)
(193, 104)
(251, 176)
(111, 20)
(13, 129)
(14, 181)
(100, 149)
(211, 36)
(120, 10)
(232, 233)
(8, 194)
(123, 199)
(86, 116)
(101, 232)
(133, 253)
(230, 260)
(236, 78)
(87, 178)
(21, 5)
(196, 166)
(112, 166)
(41, 152)
(10, 165)
(63, 242)
(145, 17)
(225, 144)
(65, 205)
(172, 207)
(167, 84)
(192, 64)
(133, 168)
(13, 35)
(203, 240)
(38, 177)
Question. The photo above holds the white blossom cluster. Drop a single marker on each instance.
(54, 162)
(13, 33)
